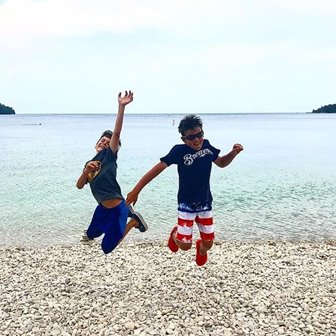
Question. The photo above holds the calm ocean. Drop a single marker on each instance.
(282, 186)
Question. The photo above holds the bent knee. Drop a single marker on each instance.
(184, 246)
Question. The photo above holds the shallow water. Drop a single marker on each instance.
(282, 186)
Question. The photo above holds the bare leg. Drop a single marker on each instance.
(202, 246)
(130, 225)
(205, 246)
(182, 246)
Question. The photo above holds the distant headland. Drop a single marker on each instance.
(331, 108)
(6, 109)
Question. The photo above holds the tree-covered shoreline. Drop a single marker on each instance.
(331, 108)
(6, 109)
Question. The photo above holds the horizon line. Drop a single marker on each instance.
(159, 113)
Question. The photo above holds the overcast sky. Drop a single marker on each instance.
(178, 56)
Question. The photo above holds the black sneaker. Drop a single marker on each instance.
(142, 227)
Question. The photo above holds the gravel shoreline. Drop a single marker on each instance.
(246, 288)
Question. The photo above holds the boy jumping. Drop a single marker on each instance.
(194, 162)
(110, 216)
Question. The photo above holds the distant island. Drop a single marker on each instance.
(331, 108)
(6, 109)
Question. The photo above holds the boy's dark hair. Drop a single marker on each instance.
(108, 134)
(190, 121)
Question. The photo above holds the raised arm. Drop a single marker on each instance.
(225, 160)
(132, 196)
(122, 102)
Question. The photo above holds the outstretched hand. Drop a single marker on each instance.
(237, 148)
(126, 99)
(132, 198)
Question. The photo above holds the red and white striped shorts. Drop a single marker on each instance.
(204, 221)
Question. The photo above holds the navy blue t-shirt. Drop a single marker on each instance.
(194, 169)
(103, 182)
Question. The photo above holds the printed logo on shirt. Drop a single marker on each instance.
(189, 158)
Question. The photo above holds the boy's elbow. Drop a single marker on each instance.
(222, 164)
(225, 163)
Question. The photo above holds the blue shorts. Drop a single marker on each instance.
(110, 221)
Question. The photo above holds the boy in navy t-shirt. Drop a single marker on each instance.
(110, 216)
(194, 161)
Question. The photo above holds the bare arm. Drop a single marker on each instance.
(123, 101)
(132, 196)
(225, 160)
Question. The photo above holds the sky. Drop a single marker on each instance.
(177, 56)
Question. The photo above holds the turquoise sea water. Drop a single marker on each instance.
(282, 186)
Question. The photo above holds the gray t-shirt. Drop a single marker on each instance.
(103, 182)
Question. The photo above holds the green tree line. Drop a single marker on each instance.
(6, 109)
(331, 108)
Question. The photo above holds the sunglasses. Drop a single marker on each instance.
(192, 137)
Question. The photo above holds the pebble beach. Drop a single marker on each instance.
(246, 288)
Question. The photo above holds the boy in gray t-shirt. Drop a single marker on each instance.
(110, 216)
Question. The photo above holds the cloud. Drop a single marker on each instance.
(258, 49)
(23, 22)
(62, 17)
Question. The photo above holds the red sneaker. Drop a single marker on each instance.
(200, 259)
(171, 243)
